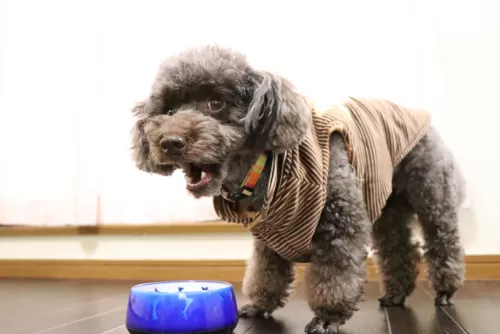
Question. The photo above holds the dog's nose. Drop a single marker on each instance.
(173, 145)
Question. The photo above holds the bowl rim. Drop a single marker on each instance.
(226, 286)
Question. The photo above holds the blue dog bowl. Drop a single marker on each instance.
(182, 307)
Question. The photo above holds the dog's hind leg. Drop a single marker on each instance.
(398, 257)
(434, 187)
(267, 282)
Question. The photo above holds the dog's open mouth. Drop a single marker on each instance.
(198, 176)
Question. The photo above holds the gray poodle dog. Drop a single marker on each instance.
(211, 114)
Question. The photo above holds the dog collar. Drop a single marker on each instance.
(248, 185)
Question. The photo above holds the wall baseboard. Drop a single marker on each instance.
(201, 227)
(479, 267)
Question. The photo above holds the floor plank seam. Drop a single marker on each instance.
(455, 321)
(389, 329)
(249, 328)
(446, 312)
(114, 329)
(79, 320)
(84, 304)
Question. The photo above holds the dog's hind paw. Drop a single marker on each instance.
(318, 326)
(251, 311)
(388, 301)
(443, 298)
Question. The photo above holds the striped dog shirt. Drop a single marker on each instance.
(378, 134)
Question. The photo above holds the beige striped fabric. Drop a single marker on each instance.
(377, 133)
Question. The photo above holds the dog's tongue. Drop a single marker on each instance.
(198, 176)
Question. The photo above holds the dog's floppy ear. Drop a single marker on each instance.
(278, 116)
(140, 147)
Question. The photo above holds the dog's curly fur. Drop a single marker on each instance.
(257, 110)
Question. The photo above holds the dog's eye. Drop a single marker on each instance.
(215, 105)
(170, 112)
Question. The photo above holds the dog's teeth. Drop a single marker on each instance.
(188, 179)
(203, 175)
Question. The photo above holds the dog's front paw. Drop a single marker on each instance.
(318, 326)
(388, 301)
(251, 311)
(443, 298)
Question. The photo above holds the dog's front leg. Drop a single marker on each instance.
(267, 282)
(336, 276)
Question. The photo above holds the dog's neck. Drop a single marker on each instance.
(239, 166)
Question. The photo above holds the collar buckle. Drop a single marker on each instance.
(248, 185)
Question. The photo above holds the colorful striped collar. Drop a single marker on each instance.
(248, 185)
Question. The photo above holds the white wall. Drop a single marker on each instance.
(441, 55)
(469, 44)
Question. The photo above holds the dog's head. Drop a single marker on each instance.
(208, 104)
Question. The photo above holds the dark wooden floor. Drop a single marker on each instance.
(72, 307)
